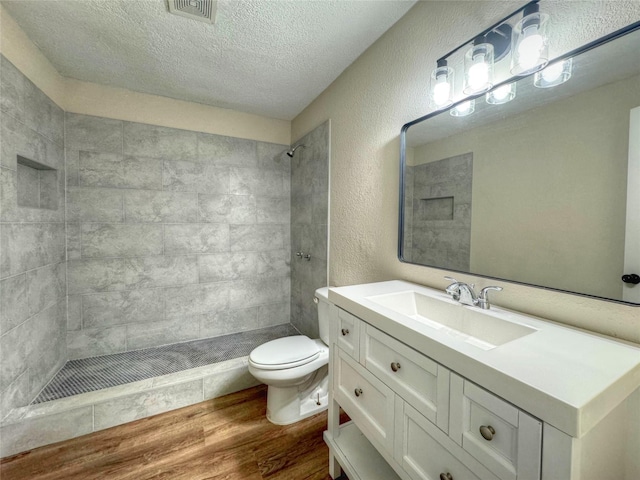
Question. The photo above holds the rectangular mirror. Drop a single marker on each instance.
(543, 190)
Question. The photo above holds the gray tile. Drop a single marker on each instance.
(28, 187)
(148, 206)
(28, 246)
(31, 433)
(141, 405)
(320, 208)
(18, 139)
(74, 241)
(275, 313)
(214, 324)
(116, 274)
(121, 240)
(11, 212)
(195, 177)
(196, 238)
(94, 205)
(273, 156)
(92, 342)
(115, 171)
(46, 286)
(114, 308)
(153, 334)
(74, 312)
(11, 89)
(46, 330)
(48, 362)
(190, 300)
(255, 181)
(301, 209)
(237, 209)
(14, 305)
(256, 237)
(84, 132)
(229, 381)
(273, 210)
(15, 395)
(221, 150)
(72, 167)
(42, 114)
(50, 193)
(233, 266)
(159, 142)
(251, 292)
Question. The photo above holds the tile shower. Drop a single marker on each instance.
(157, 236)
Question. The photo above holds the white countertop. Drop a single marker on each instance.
(567, 378)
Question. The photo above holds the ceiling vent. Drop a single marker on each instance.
(201, 10)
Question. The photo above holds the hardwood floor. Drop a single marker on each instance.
(226, 438)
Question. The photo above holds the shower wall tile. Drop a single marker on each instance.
(144, 206)
(121, 240)
(112, 170)
(160, 333)
(159, 142)
(92, 342)
(195, 177)
(220, 150)
(198, 238)
(114, 308)
(161, 224)
(253, 292)
(229, 321)
(28, 246)
(254, 181)
(230, 209)
(94, 205)
(140, 405)
(13, 302)
(32, 433)
(88, 133)
(32, 241)
(256, 237)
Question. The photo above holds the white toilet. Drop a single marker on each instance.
(296, 371)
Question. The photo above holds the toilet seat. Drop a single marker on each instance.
(286, 352)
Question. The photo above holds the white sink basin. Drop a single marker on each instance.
(482, 328)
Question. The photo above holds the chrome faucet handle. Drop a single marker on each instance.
(483, 298)
(451, 279)
(453, 289)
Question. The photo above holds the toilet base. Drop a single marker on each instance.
(287, 405)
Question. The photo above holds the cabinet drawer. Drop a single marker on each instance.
(419, 380)
(425, 453)
(367, 400)
(348, 334)
(505, 439)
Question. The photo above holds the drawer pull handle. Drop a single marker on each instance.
(487, 432)
(446, 476)
(358, 392)
(345, 332)
(395, 366)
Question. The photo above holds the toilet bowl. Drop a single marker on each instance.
(295, 369)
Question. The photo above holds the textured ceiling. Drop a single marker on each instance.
(268, 57)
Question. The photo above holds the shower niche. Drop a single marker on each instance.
(37, 185)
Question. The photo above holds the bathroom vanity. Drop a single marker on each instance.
(439, 390)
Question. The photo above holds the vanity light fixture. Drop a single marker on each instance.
(555, 74)
(463, 109)
(502, 94)
(530, 45)
(442, 82)
(478, 67)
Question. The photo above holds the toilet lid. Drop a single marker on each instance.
(286, 352)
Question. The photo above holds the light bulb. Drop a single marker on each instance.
(502, 92)
(552, 73)
(479, 75)
(441, 92)
(530, 48)
(464, 107)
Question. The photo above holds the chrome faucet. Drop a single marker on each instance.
(464, 293)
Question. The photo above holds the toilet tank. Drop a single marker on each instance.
(322, 294)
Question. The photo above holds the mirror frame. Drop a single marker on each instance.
(403, 142)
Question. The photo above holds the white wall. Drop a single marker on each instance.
(388, 87)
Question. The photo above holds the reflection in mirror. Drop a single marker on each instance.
(534, 190)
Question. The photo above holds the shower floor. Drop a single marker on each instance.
(96, 373)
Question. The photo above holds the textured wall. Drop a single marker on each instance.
(386, 88)
(32, 254)
(309, 218)
(172, 235)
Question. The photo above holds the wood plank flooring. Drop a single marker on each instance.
(228, 438)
